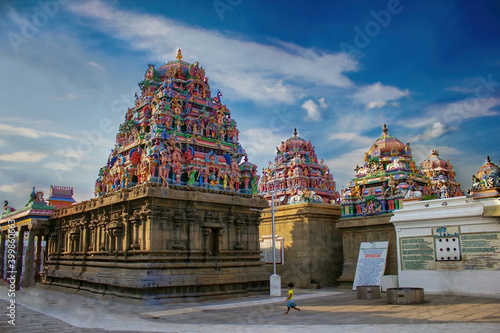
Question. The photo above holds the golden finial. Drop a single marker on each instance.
(295, 133)
(179, 54)
(385, 130)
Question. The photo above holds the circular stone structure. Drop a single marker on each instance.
(368, 292)
(405, 295)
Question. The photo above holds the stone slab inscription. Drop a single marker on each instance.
(417, 253)
(481, 251)
(266, 246)
(372, 259)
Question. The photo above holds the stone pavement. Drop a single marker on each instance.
(323, 310)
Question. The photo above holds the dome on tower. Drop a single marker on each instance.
(387, 147)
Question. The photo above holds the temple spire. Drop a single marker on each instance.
(295, 132)
(179, 54)
(385, 130)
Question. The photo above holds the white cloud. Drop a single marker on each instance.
(435, 131)
(322, 103)
(96, 65)
(260, 141)
(352, 137)
(438, 119)
(312, 109)
(16, 188)
(463, 90)
(378, 95)
(345, 163)
(68, 96)
(268, 68)
(421, 152)
(23, 156)
(31, 133)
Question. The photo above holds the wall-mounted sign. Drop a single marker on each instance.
(266, 246)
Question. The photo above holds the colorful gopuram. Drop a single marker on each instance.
(297, 175)
(177, 133)
(174, 217)
(442, 182)
(388, 176)
(486, 181)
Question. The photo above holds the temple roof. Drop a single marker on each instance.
(297, 174)
(388, 146)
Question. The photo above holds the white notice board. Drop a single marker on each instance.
(371, 264)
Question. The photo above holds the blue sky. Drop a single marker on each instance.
(335, 70)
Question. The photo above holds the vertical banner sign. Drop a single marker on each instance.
(371, 264)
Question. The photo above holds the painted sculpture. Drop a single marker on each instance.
(297, 175)
(442, 182)
(388, 176)
(486, 181)
(178, 134)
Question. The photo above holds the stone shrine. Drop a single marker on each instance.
(172, 216)
(388, 178)
(442, 182)
(452, 245)
(305, 216)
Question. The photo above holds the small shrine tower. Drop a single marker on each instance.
(442, 182)
(297, 175)
(309, 246)
(60, 196)
(388, 176)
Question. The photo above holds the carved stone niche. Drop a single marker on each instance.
(239, 223)
(179, 220)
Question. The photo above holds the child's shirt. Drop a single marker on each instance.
(290, 293)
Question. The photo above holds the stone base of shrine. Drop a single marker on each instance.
(154, 283)
(309, 245)
(356, 230)
(156, 245)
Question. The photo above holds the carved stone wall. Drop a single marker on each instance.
(153, 243)
(356, 230)
(312, 245)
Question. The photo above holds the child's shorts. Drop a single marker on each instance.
(290, 303)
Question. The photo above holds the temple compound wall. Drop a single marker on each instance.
(155, 244)
(450, 246)
(356, 230)
(311, 244)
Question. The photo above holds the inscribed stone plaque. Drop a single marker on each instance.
(372, 259)
(266, 246)
(481, 251)
(417, 254)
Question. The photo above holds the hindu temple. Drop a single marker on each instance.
(303, 192)
(442, 182)
(297, 176)
(388, 176)
(486, 181)
(176, 212)
(177, 133)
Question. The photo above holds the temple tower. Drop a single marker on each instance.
(309, 250)
(176, 213)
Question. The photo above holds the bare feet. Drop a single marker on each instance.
(286, 312)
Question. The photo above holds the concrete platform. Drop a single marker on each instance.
(322, 310)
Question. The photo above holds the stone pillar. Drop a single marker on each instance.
(30, 254)
(19, 256)
(38, 256)
(3, 236)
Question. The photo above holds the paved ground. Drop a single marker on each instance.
(323, 310)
